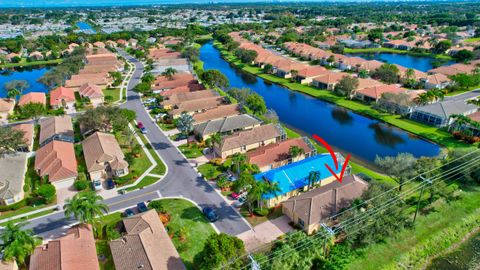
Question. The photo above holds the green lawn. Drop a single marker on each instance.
(23, 211)
(114, 93)
(477, 39)
(208, 168)
(444, 226)
(146, 181)
(187, 217)
(24, 63)
(191, 150)
(160, 169)
(434, 134)
(102, 244)
(138, 164)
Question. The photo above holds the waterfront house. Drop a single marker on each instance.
(191, 87)
(243, 141)
(217, 113)
(284, 68)
(62, 97)
(310, 209)
(13, 167)
(177, 80)
(28, 130)
(56, 160)
(73, 251)
(374, 93)
(369, 66)
(33, 97)
(225, 125)
(278, 154)
(438, 114)
(104, 158)
(328, 80)
(175, 99)
(436, 80)
(93, 92)
(58, 128)
(6, 108)
(145, 245)
(350, 63)
(196, 105)
(293, 178)
(306, 75)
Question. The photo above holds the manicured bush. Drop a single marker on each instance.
(81, 185)
(46, 191)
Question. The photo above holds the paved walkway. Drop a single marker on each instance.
(265, 233)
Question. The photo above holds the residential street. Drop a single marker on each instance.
(181, 179)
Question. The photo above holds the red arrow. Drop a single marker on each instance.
(344, 166)
(334, 157)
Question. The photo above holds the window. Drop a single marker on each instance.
(301, 222)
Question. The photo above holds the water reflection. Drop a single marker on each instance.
(342, 116)
(385, 135)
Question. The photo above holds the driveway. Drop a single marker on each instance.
(181, 180)
(265, 233)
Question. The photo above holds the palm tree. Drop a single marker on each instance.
(313, 178)
(85, 207)
(169, 72)
(295, 151)
(185, 123)
(437, 94)
(18, 244)
(422, 99)
(294, 74)
(474, 101)
(13, 93)
(238, 159)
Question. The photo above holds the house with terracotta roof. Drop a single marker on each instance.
(56, 160)
(310, 209)
(58, 128)
(145, 245)
(28, 130)
(350, 63)
(62, 97)
(306, 75)
(93, 93)
(278, 154)
(293, 179)
(33, 97)
(369, 66)
(175, 99)
(103, 157)
(177, 80)
(243, 141)
(225, 125)
(437, 80)
(196, 106)
(6, 108)
(13, 168)
(373, 94)
(328, 80)
(283, 69)
(73, 251)
(217, 113)
(36, 55)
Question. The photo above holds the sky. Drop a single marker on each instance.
(85, 3)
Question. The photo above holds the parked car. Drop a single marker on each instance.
(128, 213)
(241, 201)
(97, 184)
(140, 125)
(144, 130)
(110, 184)
(142, 207)
(210, 214)
(235, 196)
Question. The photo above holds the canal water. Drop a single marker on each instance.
(465, 257)
(345, 130)
(409, 61)
(29, 74)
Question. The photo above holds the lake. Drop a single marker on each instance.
(421, 63)
(31, 75)
(345, 130)
(85, 27)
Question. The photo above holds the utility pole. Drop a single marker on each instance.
(428, 181)
(330, 233)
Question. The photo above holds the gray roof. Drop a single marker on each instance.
(13, 169)
(226, 124)
(446, 108)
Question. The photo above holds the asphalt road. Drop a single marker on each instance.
(181, 180)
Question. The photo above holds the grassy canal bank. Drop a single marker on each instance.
(436, 135)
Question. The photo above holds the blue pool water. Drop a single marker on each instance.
(409, 61)
(346, 131)
(29, 75)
